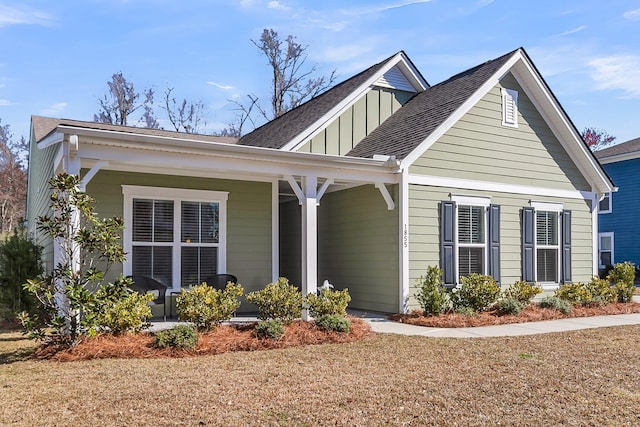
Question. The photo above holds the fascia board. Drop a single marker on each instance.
(554, 116)
(51, 139)
(458, 114)
(619, 157)
(346, 103)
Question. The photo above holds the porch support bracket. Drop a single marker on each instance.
(296, 189)
(92, 172)
(386, 195)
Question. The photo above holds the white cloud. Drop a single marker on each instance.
(575, 30)
(4, 103)
(246, 3)
(620, 72)
(632, 15)
(55, 109)
(220, 86)
(275, 4)
(22, 15)
(381, 8)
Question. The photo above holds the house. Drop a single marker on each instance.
(618, 226)
(365, 185)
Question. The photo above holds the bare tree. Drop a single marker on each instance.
(292, 84)
(122, 101)
(13, 180)
(184, 116)
(243, 114)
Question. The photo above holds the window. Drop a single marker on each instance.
(546, 244)
(469, 238)
(605, 250)
(605, 204)
(175, 236)
(509, 107)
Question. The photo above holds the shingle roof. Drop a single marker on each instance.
(401, 133)
(618, 149)
(43, 126)
(278, 132)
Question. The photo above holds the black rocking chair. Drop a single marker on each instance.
(144, 284)
(219, 281)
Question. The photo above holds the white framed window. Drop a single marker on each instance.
(176, 236)
(547, 241)
(604, 206)
(509, 107)
(471, 234)
(605, 249)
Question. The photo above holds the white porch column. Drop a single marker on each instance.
(309, 238)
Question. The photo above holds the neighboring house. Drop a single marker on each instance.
(365, 185)
(618, 225)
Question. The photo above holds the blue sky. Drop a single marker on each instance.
(57, 56)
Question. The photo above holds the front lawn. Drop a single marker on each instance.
(589, 377)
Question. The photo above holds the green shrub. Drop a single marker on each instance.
(556, 303)
(19, 261)
(602, 292)
(597, 291)
(272, 328)
(127, 314)
(465, 311)
(181, 336)
(278, 300)
(509, 305)
(478, 292)
(622, 277)
(328, 302)
(522, 291)
(432, 295)
(206, 307)
(333, 322)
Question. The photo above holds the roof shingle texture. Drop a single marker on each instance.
(43, 126)
(279, 131)
(624, 148)
(401, 133)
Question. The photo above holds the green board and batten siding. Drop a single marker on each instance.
(479, 148)
(249, 211)
(341, 135)
(358, 246)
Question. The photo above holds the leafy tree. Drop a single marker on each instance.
(88, 246)
(184, 116)
(293, 81)
(597, 139)
(19, 261)
(122, 101)
(13, 180)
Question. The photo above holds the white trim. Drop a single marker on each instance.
(317, 127)
(614, 158)
(471, 200)
(594, 234)
(386, 195)
(467, 184)
(601, 235)
(177, 195)
(509, 96)
(547, 206)
(296, 189)
(404, 242)
(275, 231)
(309, 239)
(92, 172)
(323, 188)
(604, 196)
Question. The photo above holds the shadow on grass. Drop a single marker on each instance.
(15, 347)
(17, 355)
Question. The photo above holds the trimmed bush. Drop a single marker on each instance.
(522, 291)
(272, 328)
(556, 303)
(622, 277)
(509, 305)
(207, 307)
(333, 322)
(129, 313)
(432, 295)
(278, 300)
(597, 291)
(477, 292)
(328, 302)
(181, 336)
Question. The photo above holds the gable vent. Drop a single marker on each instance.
(394, 79)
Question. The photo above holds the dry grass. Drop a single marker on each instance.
(589, 377)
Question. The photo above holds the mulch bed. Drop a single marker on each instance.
(531, 313)
(222, 339)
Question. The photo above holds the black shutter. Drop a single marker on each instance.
(566, 246)
(447, 242)
(493, 242)
(528, 244)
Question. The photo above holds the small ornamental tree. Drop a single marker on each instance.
(87, 247)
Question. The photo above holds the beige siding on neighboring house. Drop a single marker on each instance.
(424, 231)
(341, 135)
(248, 216)
(358, 247)
(478, 147)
